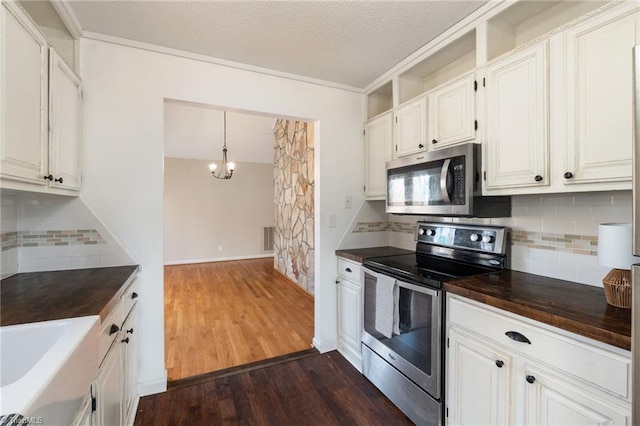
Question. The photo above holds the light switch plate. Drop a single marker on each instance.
(332, 220)
(347, 201)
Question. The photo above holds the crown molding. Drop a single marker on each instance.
(68, 17)
(217, 61)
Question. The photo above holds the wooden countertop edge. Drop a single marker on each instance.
(577, 327)
(104, 312)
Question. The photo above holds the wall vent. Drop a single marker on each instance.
(267, 238)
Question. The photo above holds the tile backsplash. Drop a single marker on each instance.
(45, 232)
(552, 235)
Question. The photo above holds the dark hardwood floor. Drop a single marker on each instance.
(319, 389)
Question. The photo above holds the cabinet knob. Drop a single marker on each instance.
(130, 331)
(531, 379)
(347, 269)
(337, 281)
(568, 175)
(134, 295)
(48, 177)
(114, 329)
(420, 146)
(125, 340)
(60, 180)
(499, 363)
(538, 178)
(434, 141)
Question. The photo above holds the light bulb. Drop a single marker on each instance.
(213, 167)
(231, 166)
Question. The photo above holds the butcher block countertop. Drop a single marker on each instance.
(362, 254)
(43, 296)
(581, 309)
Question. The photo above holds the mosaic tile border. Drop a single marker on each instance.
(569, 243)
(74, 237)
(361, 227)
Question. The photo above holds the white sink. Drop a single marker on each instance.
(46, 368)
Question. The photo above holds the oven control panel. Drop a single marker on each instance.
(488, 239)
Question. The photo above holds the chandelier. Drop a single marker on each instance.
(226, 171)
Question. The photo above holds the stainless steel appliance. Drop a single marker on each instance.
(445, 182)
(635, 315)
(402, 351)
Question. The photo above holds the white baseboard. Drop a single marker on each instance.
(326, 346)
(153, 386)
(218, 259)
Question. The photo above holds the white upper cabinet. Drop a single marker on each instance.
(40, 110)
(24, 92)
(452, 110)
(410, 134)
(516, 142)
(599, 72)
(65, 115)
(378, 141)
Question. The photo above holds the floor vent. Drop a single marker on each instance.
(267, 239)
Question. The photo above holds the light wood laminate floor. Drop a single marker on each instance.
(223, 314)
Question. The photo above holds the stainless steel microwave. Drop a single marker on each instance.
(445, 182)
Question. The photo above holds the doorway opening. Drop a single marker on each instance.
(238, 253)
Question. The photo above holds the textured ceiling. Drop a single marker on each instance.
(196, 131)
(345, 42)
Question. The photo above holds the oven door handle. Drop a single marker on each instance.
(444, 173)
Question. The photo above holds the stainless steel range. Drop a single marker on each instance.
(402, 349)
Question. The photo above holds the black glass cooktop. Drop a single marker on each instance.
(429, 270)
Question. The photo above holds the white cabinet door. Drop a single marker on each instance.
(109, 385)
(516, 145)
(410, 134)
(452, 113)
(478, 383)
(552, 400)
(65, 116)
(23, 92)
(378, 141)
(350, 319)
(130, 342)
(599, 70)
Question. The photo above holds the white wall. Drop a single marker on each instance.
(202, 214)
(124, 93)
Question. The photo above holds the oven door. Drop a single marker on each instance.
(414, 346)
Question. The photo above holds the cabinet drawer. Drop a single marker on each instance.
(130, 296)
(577, 356)
(349, 270)
(107, 334)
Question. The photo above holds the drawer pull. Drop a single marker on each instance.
(499, 363)
(125, 340)
(130, 331)
(348, 270)
(518, 337)
(134, 295)
(531, 379)
(114, 329)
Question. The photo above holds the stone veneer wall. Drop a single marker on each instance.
(294, 202)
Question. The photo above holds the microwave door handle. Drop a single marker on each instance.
(443, 181)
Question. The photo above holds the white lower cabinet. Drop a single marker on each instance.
(479, 384)
(350, 313)
(115, 390)
(109, 387)
(554, 378)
